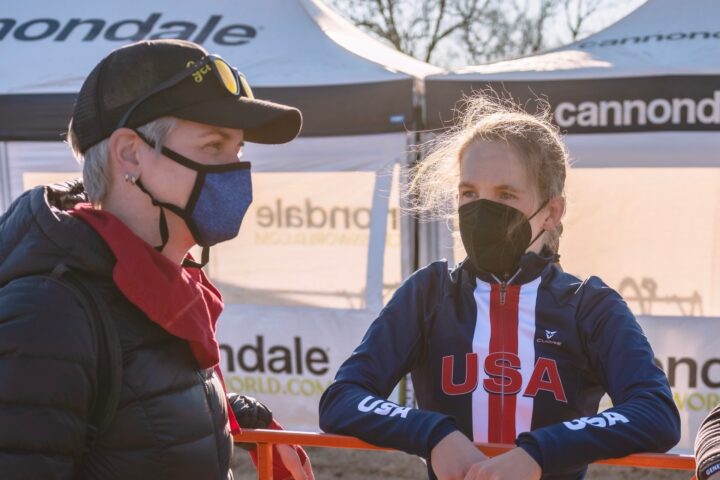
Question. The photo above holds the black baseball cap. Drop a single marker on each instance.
(130, 72)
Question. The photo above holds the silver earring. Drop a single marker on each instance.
(130, 178)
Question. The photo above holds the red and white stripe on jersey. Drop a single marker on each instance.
(504, 341)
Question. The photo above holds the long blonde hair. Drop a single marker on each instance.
(488, 117)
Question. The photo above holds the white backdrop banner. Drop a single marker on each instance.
(287, 356)
(688, 350)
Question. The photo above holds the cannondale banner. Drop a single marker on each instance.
(608, 105)
(690, 358)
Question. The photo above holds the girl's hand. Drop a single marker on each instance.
(453, 456)
(513, 465)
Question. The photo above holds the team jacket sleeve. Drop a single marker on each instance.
(46, 375)
(355, 403)
(643, 418)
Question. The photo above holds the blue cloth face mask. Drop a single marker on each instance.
(217, 204)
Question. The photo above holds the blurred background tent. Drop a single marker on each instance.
(640, 103)
(321, 245)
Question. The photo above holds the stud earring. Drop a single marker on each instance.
(130, 178)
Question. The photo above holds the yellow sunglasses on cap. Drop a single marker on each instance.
(233, 81)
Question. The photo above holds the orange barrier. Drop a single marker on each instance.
(266, 438)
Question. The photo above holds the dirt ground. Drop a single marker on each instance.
(363, 465)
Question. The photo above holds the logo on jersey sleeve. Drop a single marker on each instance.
(605, 419)
(503, 376)
(382, 407)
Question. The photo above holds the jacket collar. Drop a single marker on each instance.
(531, 266)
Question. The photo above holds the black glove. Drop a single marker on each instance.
(249, 414)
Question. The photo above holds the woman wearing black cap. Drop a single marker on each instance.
(108, 356)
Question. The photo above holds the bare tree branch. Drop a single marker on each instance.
(475, 30)
(577, 12)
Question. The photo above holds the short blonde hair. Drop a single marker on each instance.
(487, 117)
(96, 161)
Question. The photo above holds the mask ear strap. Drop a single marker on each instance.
(536, 237)
(544, 204)
(171, 154)
(164, 235)
(203, 259)
(162, 224)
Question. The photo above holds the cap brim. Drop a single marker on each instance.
(262, 121)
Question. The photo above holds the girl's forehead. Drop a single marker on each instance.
(493, 162)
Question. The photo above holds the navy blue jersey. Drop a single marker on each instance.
(525, 361)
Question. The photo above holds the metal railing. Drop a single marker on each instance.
(266, 438)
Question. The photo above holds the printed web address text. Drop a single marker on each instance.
(263, 385)
(685, 401)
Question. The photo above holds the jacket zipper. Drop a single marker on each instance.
(503, 297)
(504, 285)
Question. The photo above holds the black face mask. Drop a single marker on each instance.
(495, 235)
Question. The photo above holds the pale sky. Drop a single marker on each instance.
(612, 12)
(557, 33)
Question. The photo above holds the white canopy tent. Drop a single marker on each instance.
(321, 244)
(640, 104)
(653, 72)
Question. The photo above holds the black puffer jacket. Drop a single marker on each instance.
(172, 419)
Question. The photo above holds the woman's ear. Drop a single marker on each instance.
(123, 150)
(555, 211)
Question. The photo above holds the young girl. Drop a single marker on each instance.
(505, 347)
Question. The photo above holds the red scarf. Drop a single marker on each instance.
(181, 300)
